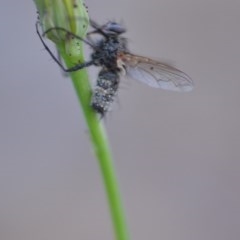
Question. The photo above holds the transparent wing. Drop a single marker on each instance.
(156, 74)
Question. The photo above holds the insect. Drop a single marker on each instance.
(112, 55)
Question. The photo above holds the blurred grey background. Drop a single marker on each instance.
(177, 155)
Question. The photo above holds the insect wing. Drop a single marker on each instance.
(156, 74)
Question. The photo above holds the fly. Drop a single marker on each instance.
(112, 55)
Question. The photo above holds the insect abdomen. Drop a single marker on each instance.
(105, 91)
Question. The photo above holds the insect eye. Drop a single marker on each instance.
(115, 28)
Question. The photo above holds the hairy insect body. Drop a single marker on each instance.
(105, 91)
(108, 78)
(107, 52)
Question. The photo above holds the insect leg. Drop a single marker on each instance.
(72, 69)
(70, 34)
(64, 74)
(99, 29)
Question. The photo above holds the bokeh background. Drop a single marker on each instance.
(177, 155)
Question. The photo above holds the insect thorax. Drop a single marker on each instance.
(107, 51)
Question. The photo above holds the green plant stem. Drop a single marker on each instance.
(67, 14)
(102, 151)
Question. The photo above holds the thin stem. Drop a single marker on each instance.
(102, 151)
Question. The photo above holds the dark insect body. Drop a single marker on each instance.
(105, 91)
(106, 55)
(111, 54)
